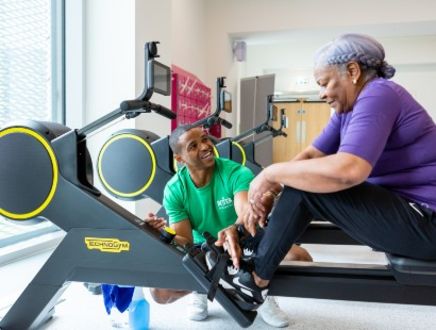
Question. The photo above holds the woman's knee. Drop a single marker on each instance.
(291, 191)
(291, 195)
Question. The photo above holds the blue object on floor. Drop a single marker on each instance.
(118, 296)
(139, 312)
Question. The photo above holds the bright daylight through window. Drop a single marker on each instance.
(31, 78)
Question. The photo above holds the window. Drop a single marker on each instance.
(31, 77)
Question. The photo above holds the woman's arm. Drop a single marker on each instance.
(322, 175)
(309, 153)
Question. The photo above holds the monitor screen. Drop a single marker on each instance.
(159, 78)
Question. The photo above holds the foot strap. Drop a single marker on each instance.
(217, 271)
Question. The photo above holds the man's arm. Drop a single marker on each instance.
(241, 202)
(228, 237)
(183, 231)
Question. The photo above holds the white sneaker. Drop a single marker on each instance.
(198, 307)
(271, 313)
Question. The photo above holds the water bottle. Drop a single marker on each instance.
(139, 311)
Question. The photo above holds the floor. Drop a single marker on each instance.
(78, 309)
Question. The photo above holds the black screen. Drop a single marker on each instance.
(160, 78)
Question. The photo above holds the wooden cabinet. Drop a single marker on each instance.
(306, 120)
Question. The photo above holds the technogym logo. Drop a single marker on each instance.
(108, 245)
(224, 203)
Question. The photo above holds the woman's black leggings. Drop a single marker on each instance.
(370, 214)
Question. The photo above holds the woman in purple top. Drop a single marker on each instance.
(372, 171)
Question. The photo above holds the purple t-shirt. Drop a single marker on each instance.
(393, 132)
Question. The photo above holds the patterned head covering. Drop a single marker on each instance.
(365, 50)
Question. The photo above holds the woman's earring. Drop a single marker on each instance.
(354, 81)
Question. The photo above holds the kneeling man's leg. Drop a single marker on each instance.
(167, 296)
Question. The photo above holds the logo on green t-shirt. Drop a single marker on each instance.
(224, 203)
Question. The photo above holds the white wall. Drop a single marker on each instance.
(109, 67)
(152, 23)
(189, 36)
(415, 61)
(178, 25)
(413, 57)
(313, 21)
(114, 34)
(109, 46)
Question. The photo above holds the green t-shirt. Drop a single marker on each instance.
(209, 208)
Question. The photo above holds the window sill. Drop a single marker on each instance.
(30, 247)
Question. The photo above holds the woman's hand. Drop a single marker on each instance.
(154, 222)
(259, 202)
(228, 238)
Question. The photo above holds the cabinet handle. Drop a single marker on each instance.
(298, 131)
(303, 131)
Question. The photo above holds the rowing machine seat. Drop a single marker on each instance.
(413, 271)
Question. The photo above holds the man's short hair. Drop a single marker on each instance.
(175, 137)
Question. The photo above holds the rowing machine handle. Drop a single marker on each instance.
(147, 105)
(225, 123)
(163, 111)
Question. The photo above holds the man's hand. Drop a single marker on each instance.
(229, 240)
(268, 200)
(154, 222)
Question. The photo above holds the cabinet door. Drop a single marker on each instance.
(284, 148)
(306, 120)
(315, 116)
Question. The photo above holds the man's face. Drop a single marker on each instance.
(196, 149)
(337, 88)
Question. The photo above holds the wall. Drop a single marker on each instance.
(413, 57)
(113, 37)
(109, 67)
(312, 21)
(189, 36)
(178, 25)
(415, 61)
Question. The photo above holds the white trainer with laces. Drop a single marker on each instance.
(271, 313)
(198, 307)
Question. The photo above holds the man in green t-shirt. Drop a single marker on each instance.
(209, 194)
